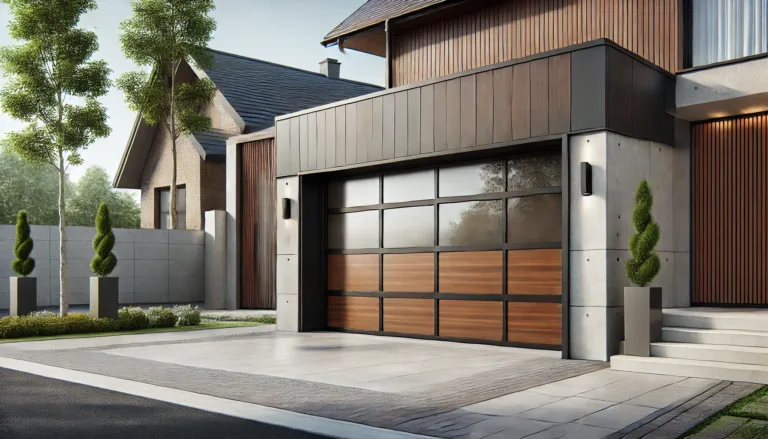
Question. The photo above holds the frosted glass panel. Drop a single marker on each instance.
(728, 29)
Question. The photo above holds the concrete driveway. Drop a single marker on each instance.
(418, 387)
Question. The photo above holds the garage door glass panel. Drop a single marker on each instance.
(354, 230)
(409, 227)
(534, 172)
(471, 179)
(409, 186)
(535, 218)
(471, 223)
(353, 192)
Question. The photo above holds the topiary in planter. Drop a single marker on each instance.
(644, 264)
(104, 261)
(22, 264)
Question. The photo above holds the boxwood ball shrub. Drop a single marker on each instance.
(188, 315)
(644, 264)
(160, 317)
(104, 260)
(131, 318)
(22, 264)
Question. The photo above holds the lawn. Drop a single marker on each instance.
(746, 418)
(206, 324)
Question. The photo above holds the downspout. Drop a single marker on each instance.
(388, 38)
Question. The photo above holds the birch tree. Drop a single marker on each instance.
(161, 35)
(53, 87)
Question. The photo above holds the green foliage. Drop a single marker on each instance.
(160, 317)
(94, 188)
(50, 66)
(22, 248)
(644, 263)
(104, 261)
(131, 318)
(51, 324)
(188, 315)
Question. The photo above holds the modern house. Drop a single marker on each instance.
(458, 204)
(251, 93)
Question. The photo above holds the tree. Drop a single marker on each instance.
(94, 188)
(53, 86)
(644, 263)
(104, 261)
(163, 34)
(22, 248)
(28, 186)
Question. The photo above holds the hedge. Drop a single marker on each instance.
(46, 325)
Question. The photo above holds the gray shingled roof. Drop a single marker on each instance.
(259, 90)
(214, 143)
(374, 12)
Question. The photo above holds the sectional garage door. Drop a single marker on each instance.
(469, 251)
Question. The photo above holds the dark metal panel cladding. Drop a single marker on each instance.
(312, 263)
(375, 147)
(560, 93)
(485, 108)
(414, 121)
(388, 126)
(588, 79)
(427, 119)
(283, 147)
(364, 129)
(441, 116)
(540, 97)
(521, 101)
(454, 113)
(468, 111)
(618, 91)
(649, 105)
(401, 124)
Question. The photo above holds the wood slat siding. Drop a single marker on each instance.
(471, 319)
(361, 313)
(537, 323)
(409, 316)
(517, 102)
(409, 272)
(535, 272)
(471, 272)
(259, 225)
(353, 272)
(729, 218)
(511, 29)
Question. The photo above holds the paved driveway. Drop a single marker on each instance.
(424, 387)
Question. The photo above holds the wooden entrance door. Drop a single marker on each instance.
(469, 251)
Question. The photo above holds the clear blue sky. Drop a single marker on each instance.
(282, 31)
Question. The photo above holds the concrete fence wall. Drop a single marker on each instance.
(154, 266)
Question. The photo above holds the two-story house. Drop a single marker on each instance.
(457, 204)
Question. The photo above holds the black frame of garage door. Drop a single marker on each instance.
(314, 248)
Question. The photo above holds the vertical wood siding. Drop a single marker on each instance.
(512, 29)
(259, 225)
(730, 186)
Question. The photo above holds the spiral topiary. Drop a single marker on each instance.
(644, 264)
(104, 260)
(22, 264)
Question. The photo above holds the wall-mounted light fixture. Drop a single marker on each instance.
(286, 208)
(586, 179)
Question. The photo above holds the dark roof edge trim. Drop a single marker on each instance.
(121, 167)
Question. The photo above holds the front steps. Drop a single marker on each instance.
(716, 343)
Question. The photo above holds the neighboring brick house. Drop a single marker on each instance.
(251, 93)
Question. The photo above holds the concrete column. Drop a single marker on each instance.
(215, 259)
(600, 229)
(288, 256)
(682, 214)
(233, 226)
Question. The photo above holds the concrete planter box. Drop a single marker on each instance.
(23, 295)
(642, 320)
(104, 297)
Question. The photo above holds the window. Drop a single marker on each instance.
(354, 230)
(471, 223)
(409, 186)
(164, 212)
(728, 29)
(353, 192)
(471, 179)
(409, 227)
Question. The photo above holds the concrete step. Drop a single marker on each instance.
(715, 336)
(710, 352)
(692, 368)
(717, 318)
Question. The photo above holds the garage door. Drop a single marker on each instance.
(466, 252)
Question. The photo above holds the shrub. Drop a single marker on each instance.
(50, 325)
(132, 318)
(22, 248)
(104, 260)
(160, 317)
(644, 264)
(188, 315)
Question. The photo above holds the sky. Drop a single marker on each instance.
(281, 31)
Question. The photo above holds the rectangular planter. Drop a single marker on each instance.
(642, 320)
(23, 295)
(104, 297)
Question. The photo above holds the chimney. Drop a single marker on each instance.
(330, 68)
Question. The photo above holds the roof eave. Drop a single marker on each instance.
(119, 181)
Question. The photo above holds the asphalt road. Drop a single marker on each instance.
(40, 408)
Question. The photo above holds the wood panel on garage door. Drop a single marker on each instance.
(729, 218)
(258, 222)
(467, 251)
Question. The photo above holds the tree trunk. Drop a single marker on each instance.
(63, 284)
(172, 203)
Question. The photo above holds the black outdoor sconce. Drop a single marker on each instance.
(586, 179)
(286, 208)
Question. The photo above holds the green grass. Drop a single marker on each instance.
(205, 324)
(736, 408)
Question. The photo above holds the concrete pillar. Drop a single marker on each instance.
(215, 259)
(288, 256)
(600, 229)
(233, 226)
